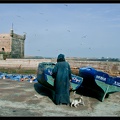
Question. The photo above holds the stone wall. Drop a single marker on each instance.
(1, 56)
(17, 45)
(22, 63)
(5, 42)
(112, 68)
(17, 48)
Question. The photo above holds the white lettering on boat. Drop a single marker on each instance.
(116, 83)
(100, 78)
(50, 72)
(75, 79)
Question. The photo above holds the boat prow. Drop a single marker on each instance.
(108, 83)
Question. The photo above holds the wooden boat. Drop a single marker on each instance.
(99, 82)
(44, 77)
(108, 83)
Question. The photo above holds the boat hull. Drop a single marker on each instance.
(44, 77)
(108, 83)
(99, 82)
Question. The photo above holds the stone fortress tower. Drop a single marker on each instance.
(12, 45)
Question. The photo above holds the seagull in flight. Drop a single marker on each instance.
(66, 5)
(68, 30)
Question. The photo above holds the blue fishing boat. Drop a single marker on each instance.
(44, 77)
(99, 82)
(108, 83)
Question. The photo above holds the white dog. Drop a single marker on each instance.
(77, 101)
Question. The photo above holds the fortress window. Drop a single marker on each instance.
(3, 49)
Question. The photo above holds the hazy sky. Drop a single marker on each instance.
(76, 30)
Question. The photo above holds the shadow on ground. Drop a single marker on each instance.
(40, 89)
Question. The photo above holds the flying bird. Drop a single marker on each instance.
(18, 16)
(84, 36)
(89, 48)
(41, 13)
(46, 29)
(66, 5)
(68, 30)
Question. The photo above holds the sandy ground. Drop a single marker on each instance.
(32, 99)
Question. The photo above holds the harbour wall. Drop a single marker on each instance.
(109, 67)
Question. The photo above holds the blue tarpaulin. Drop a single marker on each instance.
(18, 77)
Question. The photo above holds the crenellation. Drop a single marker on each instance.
(18, 36)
